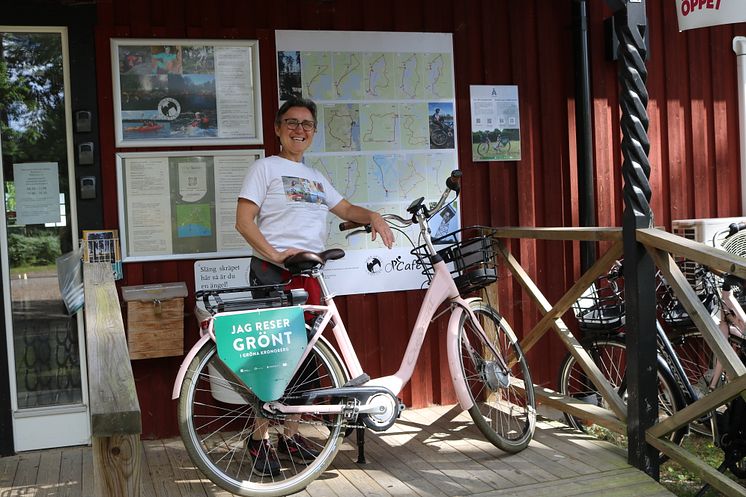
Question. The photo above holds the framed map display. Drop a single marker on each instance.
(186, 92)
(181, 205)
(386, 136)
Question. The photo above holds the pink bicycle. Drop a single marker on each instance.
(329, 393)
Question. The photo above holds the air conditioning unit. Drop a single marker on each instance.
(706, 230)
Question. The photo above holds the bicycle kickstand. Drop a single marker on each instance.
(360, 435)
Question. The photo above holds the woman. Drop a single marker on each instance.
(282, 210)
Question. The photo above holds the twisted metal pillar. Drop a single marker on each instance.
(630, 22)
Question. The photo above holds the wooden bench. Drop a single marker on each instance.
(116, 423)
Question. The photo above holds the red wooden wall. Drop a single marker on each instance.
(693, 131)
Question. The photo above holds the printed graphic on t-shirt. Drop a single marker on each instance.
(303, 190)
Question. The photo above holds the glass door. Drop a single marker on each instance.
(45, 343)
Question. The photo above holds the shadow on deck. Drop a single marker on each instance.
(430, 452)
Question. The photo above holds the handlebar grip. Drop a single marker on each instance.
(349, 225)
(734, 228)
(454, 181)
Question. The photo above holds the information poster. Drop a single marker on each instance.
(386, 136)
(495, 123)
(194, 92)
(37, 187)
(181, 205)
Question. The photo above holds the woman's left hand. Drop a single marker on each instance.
(378, 226)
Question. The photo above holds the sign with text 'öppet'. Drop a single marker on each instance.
(702, 13)
(262, 347)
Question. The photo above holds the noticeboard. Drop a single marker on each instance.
(181, 205)
(186, 92)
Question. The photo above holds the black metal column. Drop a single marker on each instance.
(584, 131)
(630, 23)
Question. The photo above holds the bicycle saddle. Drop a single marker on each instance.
(303, 261)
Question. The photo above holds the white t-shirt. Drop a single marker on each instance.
(294, 202)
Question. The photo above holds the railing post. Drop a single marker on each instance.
(630, 22)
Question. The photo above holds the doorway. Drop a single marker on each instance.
(45, 339)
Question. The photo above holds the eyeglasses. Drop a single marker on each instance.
(294, 123)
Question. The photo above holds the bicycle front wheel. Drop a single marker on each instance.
(504, 407)
(218, 415)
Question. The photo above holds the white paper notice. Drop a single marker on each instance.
(192, 181)
(229, 175)
(37, 192)
(235, 100)
(148, 207)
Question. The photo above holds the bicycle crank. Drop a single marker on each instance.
(380, 411)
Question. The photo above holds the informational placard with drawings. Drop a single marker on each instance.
(181, 205)
(386, 135)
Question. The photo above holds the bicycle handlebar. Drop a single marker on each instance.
(453, 184)
(734, 228)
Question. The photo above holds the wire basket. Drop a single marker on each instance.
(601, 306)
(670, 307)
(470, 255)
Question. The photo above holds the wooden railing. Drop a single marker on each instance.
(661, 246)
(115, 412)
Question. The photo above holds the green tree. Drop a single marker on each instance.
(32, 96)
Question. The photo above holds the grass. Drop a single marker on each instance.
(683, 482)
(673, 476)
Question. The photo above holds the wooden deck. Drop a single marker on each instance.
(429, 452)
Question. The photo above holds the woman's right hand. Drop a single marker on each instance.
(281, 257)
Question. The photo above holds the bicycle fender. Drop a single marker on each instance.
(454, 354)
(185, 364)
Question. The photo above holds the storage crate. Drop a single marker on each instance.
(155, 319)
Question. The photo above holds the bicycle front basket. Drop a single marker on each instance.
(470, 255)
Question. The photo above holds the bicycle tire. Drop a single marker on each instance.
(697, 360)
(438, 137)
(483, 149)
(506, 416)
(502, 145)
(215, 433)
(610, 355)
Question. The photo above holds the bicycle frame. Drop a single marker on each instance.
(732, 319)
(442, 288)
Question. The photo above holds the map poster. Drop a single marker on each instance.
(495, 123)
(190, 92)
(386, 136)
(181, 205)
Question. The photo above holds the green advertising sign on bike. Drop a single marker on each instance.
(262, 347)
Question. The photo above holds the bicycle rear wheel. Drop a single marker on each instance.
(216, 424)
(697, 361)
(483, 149)
(504, 409)
(610, 355)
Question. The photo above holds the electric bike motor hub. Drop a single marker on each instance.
(387, 409)
(494, 377)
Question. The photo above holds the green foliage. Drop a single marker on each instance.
(32, 96)
(41, 250)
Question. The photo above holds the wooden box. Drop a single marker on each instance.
(155, 320)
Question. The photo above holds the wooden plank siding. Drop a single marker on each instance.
(529, 43)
